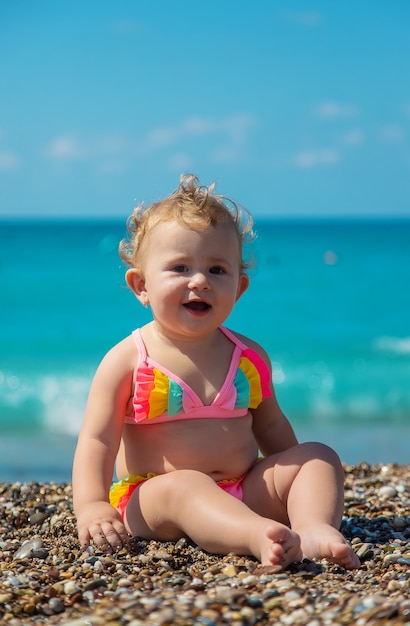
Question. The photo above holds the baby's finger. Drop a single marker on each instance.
(84, 538)
(122, 533)
(112, 535)
(98, 537)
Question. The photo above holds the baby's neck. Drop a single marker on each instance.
(154, 334)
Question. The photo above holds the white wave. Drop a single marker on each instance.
(323, 407)
(356, 409)
(55, 402)
(398, 345)
(64, 402)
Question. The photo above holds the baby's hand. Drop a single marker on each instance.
(101, 523)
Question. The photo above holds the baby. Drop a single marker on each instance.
(186, 408)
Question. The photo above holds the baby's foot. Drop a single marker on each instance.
(325, 542)
(276, 545)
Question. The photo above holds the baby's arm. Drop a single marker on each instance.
(97, 448)
(271, 428)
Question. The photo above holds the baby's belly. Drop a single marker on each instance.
(221, 448)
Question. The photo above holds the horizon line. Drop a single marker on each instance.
(257, 217)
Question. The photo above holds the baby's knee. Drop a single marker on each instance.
(322, 451)
(313, 451)
(178, 482)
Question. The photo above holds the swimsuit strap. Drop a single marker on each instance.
(142, 351)
(228, 333)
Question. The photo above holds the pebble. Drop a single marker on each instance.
(32, 548)
(46, 579)
(56, 605)
(364, 550)
(387, 492)
(71, 587)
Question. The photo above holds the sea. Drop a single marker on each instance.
(329, 300)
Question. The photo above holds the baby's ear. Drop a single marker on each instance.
(136, 282)
(242, 285)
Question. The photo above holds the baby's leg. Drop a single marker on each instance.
(190, 503)
(303, 486)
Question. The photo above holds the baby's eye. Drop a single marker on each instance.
(180, 268)
(217, 269)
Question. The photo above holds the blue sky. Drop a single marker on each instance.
(293, 108)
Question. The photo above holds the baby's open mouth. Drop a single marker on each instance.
(197, 305)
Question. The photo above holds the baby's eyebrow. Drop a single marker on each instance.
(220, 261)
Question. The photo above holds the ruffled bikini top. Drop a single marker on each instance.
(161, 396)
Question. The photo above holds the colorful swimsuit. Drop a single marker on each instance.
(161, 396)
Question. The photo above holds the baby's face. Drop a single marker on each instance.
(192, 275)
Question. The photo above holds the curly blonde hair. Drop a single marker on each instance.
(193, 204)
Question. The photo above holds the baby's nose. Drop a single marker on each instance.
(199, 280)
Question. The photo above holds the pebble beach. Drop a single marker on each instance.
(46, 579)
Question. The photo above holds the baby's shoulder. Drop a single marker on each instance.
(124, 352)
(250, 343)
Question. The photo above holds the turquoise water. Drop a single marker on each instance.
(329, 301)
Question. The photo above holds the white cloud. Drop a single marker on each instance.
(66, 147)
(159, 138)
(197, 126)
(307, 159)
(234, 128)
(393, 133)
(110, 148)
(110, 152)
(9, 161)
(336, 110)
(237, 127)
(232, 132)
(180, 162)
(354, 137)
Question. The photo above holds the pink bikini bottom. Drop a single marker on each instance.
(121, 491)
